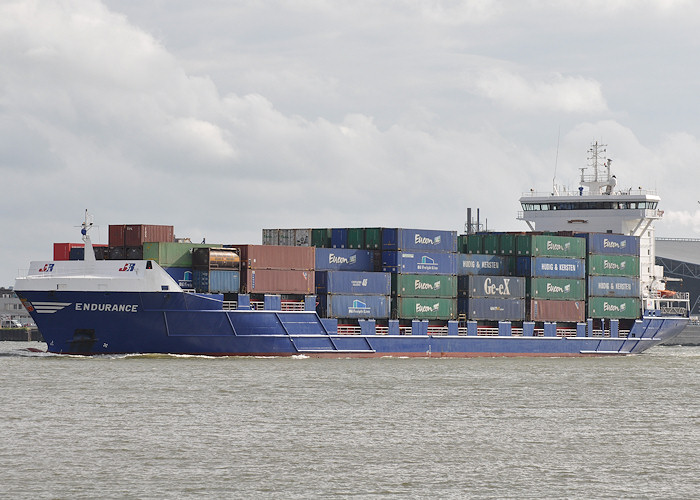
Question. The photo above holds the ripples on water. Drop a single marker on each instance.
(188, 427)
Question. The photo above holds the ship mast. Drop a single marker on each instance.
(599, 182)
(85, 227)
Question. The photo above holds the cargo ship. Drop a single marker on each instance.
(581, 282)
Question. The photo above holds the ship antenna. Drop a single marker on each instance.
(556, 162)
(85, 228)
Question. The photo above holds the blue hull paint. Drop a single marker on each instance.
(181, 323)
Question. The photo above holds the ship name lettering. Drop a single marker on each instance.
(85, 306)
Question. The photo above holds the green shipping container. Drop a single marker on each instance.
(475, 243)
(490, 243)
(356, 237)
(423, 308)
(556, 288)
(321, 238)
(613, 265)
(507, 243)
(542, 245)
(614, 307)
(172, 254)
(423, 285)
(373, 238)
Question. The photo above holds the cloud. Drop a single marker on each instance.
(554, 93)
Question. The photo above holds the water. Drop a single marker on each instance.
(190, 427)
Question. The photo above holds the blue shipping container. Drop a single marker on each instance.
(481, 264)
(490, 309)
(550, 267)
(217, 281)
(353, 282)
(339, 238)
(182, 275)
(611, 244)
(354, 306)
(613, 286)
(344, 259)
(504, 287)
(419, 262)
(427, 240)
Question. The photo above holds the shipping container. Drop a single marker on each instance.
(134, 253)
(61, 251)
(613, 265)
(373, 238)
(490, 309)
(352, 283)
(567, 311)
(270, 236)
(611, 244)
(76, 251)
(135, 235)
(116, 235)
(172, 254)
(339, 237)
(614, 307)
(216, 281)
(502, 287)
(356, 237)
(344, 259)
(278, 281)
(424, 308)
(544, 245)
(493, 265)
(426, 240)
(354, 306)
(276, 257)
(419, 262)
(474, 243)
(550, 267)
(321, 238)
(613, 286)
(117, 253)
(302, 237)
(215, 258)
(424, 285)
(490, 243)
(181, 275)
(286, 237)
(507, 243)
(556, 288)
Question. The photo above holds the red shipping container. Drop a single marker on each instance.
(137, 234)
(116, 235)
(277, 257)
(292, 281)
(557, 310)
(61, 251)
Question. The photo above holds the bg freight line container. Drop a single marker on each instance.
(550, 267)
(354, 306)
(613, 265)
(345, 259)
(611, 244)
(502, 287)
(422, 285)
(424, 308)
(424, 240)
(491, 309)
(556, 289)
(419, 262)
(480, 264)
(614, 307)
(542, 245)
(352, 283)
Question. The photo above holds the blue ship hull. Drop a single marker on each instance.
(182, 323)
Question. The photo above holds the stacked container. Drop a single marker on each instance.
(270, 269)
(613, 281)
(555, 269)
(492, 298)
(216, 270)
(423, 264)
(175, 258)
(126, 240)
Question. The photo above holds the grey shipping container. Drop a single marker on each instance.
(503, 287)
(490, 309)
(613, 286)
(481, 264)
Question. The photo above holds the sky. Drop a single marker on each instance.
(224, 117)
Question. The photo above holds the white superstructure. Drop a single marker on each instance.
(600, 206)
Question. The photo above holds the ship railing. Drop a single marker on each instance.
(487, 331)
(437, 330)
(566, 332)
(462, 330)
(405, 330)
(230, 305)
(293, 305)
(381, 330)
(348, 330)
(257, 305)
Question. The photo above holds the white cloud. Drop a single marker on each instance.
(554, 93)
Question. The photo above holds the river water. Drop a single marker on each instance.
(194, 427)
